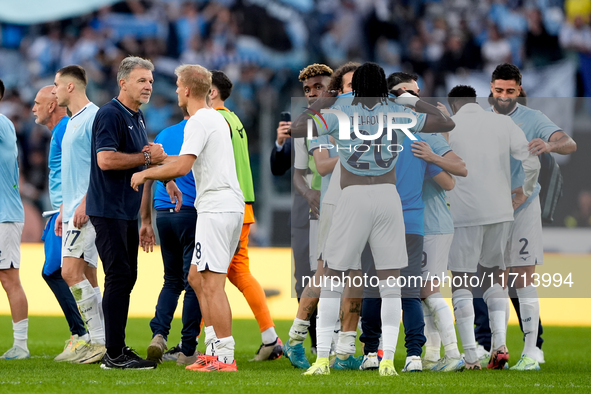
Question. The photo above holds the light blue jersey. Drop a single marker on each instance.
(323, 142)
(438, 218)
(55, 163)
(363, 156)
(535, 125)
(76, 154)
(11, 206)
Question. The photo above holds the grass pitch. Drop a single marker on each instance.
(566, 350)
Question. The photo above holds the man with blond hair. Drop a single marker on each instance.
(207, 150)
(120, 148)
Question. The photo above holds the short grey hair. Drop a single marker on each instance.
(130, 63)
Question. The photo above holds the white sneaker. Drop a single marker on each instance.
(68, 349)
(94, 354)
(428, 364)
(15, 353)
(370, 361)
(448, 364)
(413, 364)
(79, 351)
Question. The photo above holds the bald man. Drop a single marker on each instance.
(48, 113)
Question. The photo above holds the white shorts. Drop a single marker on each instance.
(367, 213)
(525, 245)
(217, 236)
(435, 255)
(326, 215)
(79, 243)
(10, 245)
(473, 245)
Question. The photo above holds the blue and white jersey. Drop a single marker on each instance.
(55, 163)
(11, 206)
(76, 155)
(323, 142)
(535, 125)
(367, 157)
(438, 218)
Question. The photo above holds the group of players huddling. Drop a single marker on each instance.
(385, 215)
(392, 203)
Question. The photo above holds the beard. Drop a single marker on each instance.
(504, 107)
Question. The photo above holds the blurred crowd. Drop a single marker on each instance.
(262, 44)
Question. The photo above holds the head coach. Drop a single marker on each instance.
(119, 149)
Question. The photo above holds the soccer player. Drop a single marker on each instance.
(80, 257)
(438, 230)
(176, 228)
(12, 220)
(369, 210)
(239, 271)
(220, 211)
(315, 79)
(482, 213)
(325, 161)
(119, 149)
(525, 243)
(48, 113)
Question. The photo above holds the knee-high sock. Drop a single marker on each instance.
(444, 322)
(496, 301)
(390, 314)
(508, 310)
(433, 344)
(529, 305)
(328, 313)
(86, 299)
(99, 299)
(20, 331)
(464, 311)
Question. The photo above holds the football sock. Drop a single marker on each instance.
(433, 343)
(20, 330)
(210, 338)
(508, 309)
(496, 302)
(335, 334)
(346, 343)
(390, 314)
(298, 331)
(328, 312)
(529, 307)
(224, 349)
(464, 311)
(269, 336)
(87, 303)
(443, 320)
(99, 299)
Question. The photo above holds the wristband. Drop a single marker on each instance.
(166, 182)
(147, 158)
(407, 99)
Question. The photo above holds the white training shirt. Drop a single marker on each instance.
(207, 136)
(485, 141)
(333, 193)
